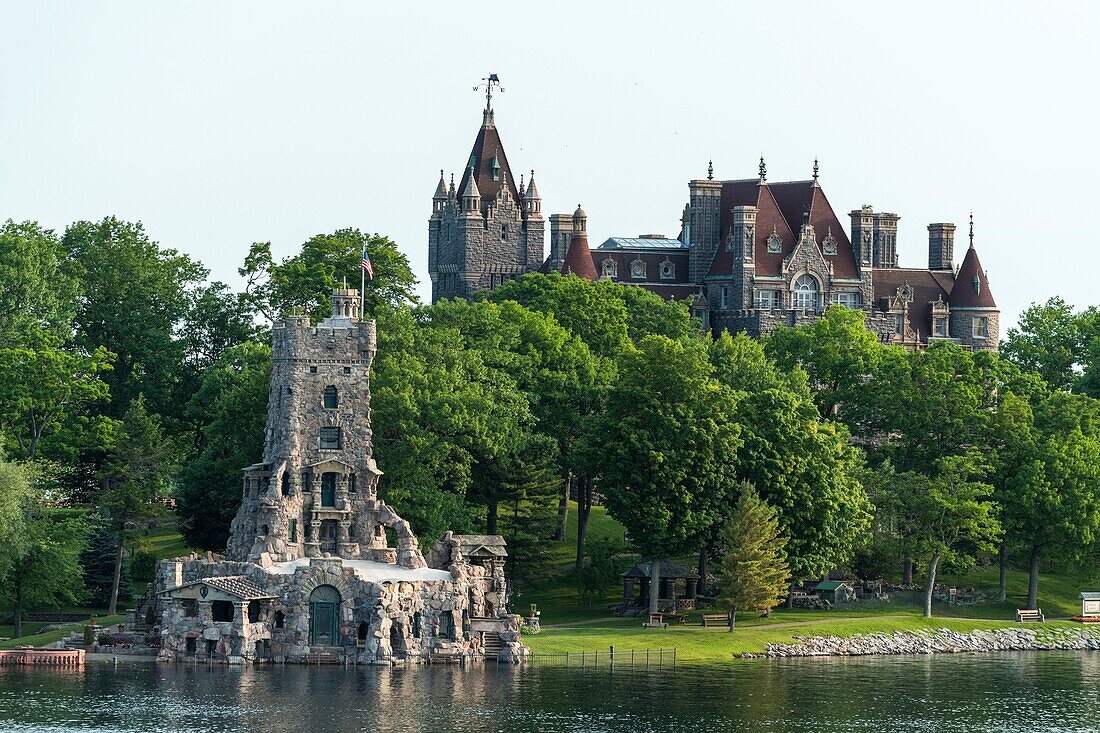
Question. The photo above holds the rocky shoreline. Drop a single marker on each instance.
(939, 641)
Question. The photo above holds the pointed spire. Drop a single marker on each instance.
(763, 170)
(710, 170)
(532, 191)
(815, 171)
(522, 187)
(471, 186)
(441, 189)
(972, 229)
(451, 190)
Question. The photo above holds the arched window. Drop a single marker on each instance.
(361, 634)
(286, 483)
(805, 293)
(609, 268)
(331, 400)
(637, 269)
(280, 619)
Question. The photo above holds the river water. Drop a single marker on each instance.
(1046, 691)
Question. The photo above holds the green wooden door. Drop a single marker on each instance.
(324, 602)
(328, 489)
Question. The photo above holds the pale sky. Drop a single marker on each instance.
(219, 124)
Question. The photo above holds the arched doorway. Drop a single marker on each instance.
(324, 604)
(397, 641)
(328, 489)
(361, 634)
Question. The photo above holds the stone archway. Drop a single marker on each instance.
(324, 616)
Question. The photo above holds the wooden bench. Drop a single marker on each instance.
(656, 621)
(1023, 615)
(716, 619)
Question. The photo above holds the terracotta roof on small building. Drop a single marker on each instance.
(578, 260)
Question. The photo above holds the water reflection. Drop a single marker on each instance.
(1007, 692)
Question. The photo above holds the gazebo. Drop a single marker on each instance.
(672, 595)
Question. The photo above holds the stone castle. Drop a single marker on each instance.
(317, 567)
(751, 254)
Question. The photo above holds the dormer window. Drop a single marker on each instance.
(668, 270)
(977, 285)
(496, 169)
(775, 244)
(610, 269)
(331, 400)
(828, 245)
(637, 269)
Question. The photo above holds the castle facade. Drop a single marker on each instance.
(750, 255)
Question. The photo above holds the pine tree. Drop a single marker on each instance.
(753, 569)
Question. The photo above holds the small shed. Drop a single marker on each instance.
(1090, 603)
(834, 591)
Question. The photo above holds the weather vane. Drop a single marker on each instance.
(489, 82)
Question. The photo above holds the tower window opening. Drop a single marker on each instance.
(330, 438)
(331, 399)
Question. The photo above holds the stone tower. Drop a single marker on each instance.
(314, 493)
(488, 230)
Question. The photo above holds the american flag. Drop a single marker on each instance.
(366, 265)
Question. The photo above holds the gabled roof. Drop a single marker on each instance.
(971, 286)
(829, 585)
(669, 569)
(240, 586)
(780, 209)
(927, 286)
(487, 147)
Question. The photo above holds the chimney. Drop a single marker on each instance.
(941, 246)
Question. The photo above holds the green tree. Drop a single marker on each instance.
(305, 279)
(836, 351)
(947, 514)
(803, 465)
(39, 555)
(668, 437)
(231, 408)
(600, 571)
(438, 413)
(134, 296)
(40, 385)
(36, 295)
(1051, 495)
(136, 478)
(1049, 340)
(753, 568)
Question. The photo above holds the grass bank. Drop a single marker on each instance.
(694, 643)
(49, 637)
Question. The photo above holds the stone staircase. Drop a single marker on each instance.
(492, 645)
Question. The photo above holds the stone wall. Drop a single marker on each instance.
(942, 641)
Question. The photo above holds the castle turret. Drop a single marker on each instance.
(578, 260)
(975, 318)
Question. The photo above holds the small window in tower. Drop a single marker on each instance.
(496, 169)
(286, 483)
(313, 370)
(330, 438)
(723, 299)
(981, 327)
(941, 327)
(293, 530)
(352, 488)
(331, 399)
(280, 619)
(504, 232)
(347, 370)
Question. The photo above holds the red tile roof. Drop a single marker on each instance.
(487, 145)
(578, 260)
(927, 286)
(966, 294)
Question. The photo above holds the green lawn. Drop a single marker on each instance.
(695, 643)
(165, 544)
(51, 636)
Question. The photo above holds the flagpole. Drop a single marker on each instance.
(362, 286)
